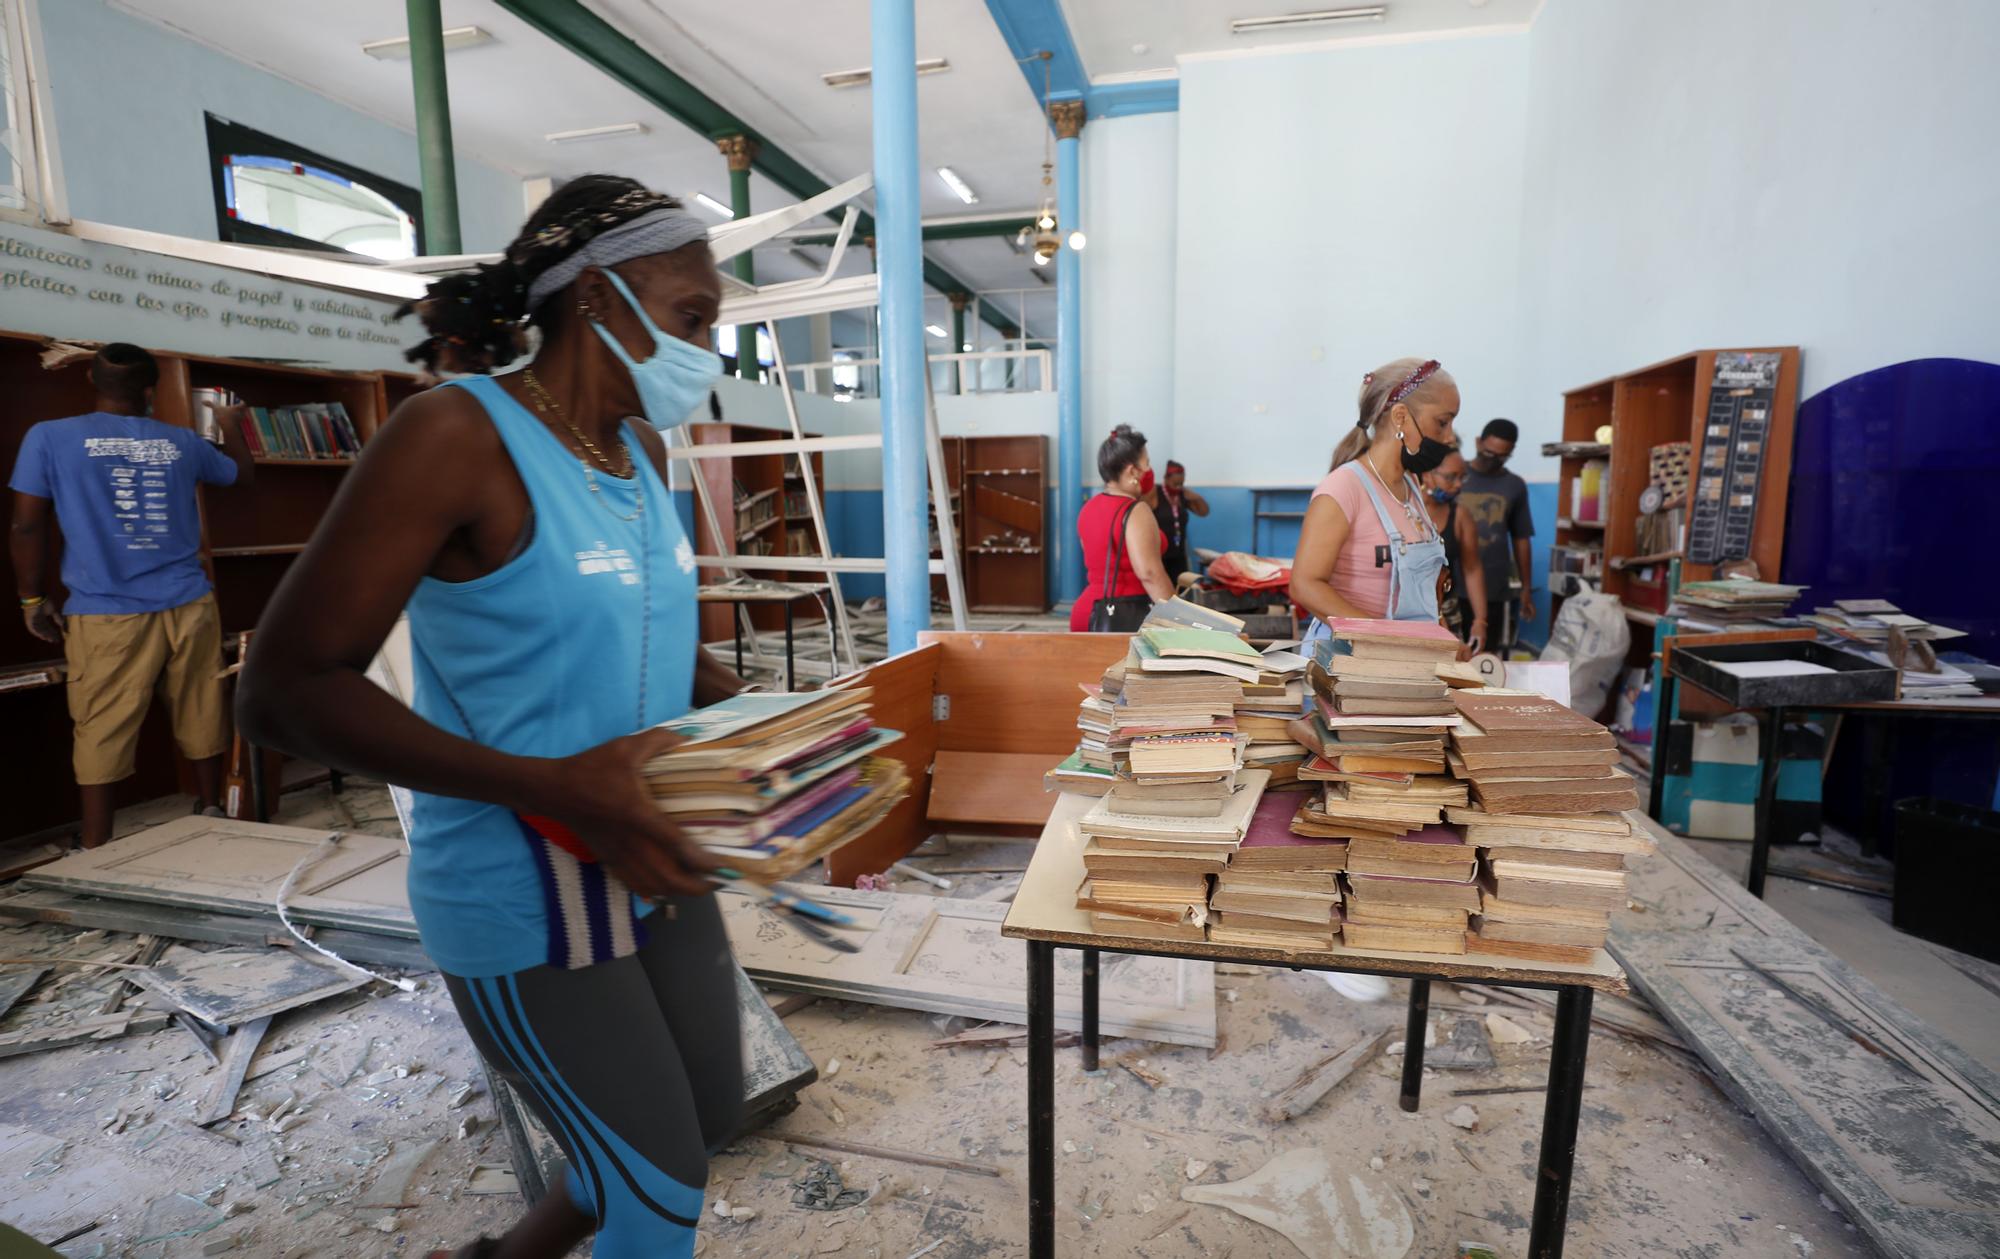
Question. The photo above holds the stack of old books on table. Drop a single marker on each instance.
(1732, 599)
(1266, 712)
(1279, 890)
(1547, 823)
(1383, 708)
(774, 782)
(1180, 798)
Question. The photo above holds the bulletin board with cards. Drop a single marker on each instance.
(1735, 441)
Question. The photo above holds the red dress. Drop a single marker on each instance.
(1093, 529)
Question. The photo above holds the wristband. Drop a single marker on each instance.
(34, 601)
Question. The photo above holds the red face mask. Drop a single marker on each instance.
(1145, 482)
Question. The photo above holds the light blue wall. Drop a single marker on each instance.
(128, 99)
(1337, 209)
(1818, 173)
(1130, 187)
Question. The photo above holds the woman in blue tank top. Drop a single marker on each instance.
(524, 523)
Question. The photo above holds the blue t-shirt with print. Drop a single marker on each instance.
(124, 492)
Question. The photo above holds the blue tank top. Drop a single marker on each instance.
(543, 657)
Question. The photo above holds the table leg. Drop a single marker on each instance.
(1413, 1042)
(1041, 1100)
(1769, 742)
(1663, 720)
(1880, 774)
(1559, 1115)
(260, 797)
(736, 620)
(791, 679)
(1090, 972)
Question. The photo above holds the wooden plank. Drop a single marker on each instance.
(236, 1055)
(903, 688)
(1912, 1156)
(1017, 693)
(1045, 909)
(962, 966)
(229, 987)
(1003, 788)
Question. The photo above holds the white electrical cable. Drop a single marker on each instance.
(313, 858)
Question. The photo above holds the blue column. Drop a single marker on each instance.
(1074, 478)
(899, 258)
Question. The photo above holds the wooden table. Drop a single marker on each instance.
(783, 593)
(1045, 915)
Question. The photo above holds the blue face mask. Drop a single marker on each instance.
(674, 379)
(1443, 496)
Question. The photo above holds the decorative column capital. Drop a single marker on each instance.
(959, 301)
(740, 150)
(1067, 117)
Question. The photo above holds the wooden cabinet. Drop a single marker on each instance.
(1004, 523)
(1674, 401)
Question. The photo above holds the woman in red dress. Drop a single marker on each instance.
(1127, 577)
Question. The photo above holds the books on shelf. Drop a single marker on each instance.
(312, 430)
(775, 782)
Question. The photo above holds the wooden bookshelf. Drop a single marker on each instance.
(250, 538)
(1003, 532)
(756, 483)
(1665, 402)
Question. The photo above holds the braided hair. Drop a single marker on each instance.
(477, 319)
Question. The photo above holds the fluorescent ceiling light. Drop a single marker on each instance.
(958, 185)
(596, 133)
(398, 49)
(711, 204)
(936, 331)
(1313, 17)
(857, 78)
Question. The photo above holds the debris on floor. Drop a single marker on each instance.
(1325, 1212)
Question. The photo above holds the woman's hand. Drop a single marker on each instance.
(601, 795)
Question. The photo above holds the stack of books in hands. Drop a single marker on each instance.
(1382, 697)
(1546, 823)
(1279, 890)
(775, 782)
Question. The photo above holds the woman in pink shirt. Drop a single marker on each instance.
(1368, 548)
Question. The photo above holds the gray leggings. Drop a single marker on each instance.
(635, 1067)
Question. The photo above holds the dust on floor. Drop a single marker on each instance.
(100, 1133)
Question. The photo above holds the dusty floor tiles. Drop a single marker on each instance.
(1665, 1163)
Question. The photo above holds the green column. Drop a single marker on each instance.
(741, 151)
(440, 178)
(959, 301)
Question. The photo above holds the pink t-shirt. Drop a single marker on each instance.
(1356, 577)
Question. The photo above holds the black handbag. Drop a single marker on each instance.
(1118, 614)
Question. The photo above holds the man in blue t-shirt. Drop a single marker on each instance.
(140, 614)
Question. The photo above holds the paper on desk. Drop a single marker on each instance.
(1771, 668)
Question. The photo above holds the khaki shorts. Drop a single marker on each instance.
(116, 663)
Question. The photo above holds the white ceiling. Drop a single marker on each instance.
(1138, 37)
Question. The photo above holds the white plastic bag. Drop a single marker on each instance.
(1590, 633)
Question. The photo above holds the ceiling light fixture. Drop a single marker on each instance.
(935, 331)
(710, 204)
(1047, 240)
(1313, 17)
(859, 78)
(398, 49)
(596, 133)
(957, 184)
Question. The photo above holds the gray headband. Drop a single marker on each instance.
(658, 232)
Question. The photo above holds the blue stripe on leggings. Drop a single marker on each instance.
(487, 999)
(685, 1208)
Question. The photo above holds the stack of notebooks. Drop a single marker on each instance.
(1162, 724)
(775, 782)
(1546, 823)
(1279, 890)
(1383, 708)
(1736, 599)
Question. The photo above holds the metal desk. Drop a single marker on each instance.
(745, 591)
(1045, 915)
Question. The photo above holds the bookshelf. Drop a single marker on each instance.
(1004, 523)
(250, 537)
(1666, 402)
(764, 499)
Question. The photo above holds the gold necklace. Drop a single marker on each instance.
(548, 406)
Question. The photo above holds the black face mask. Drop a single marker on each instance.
(1429, 454)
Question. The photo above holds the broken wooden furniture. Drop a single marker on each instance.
(983, 717)
(1045, 915)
